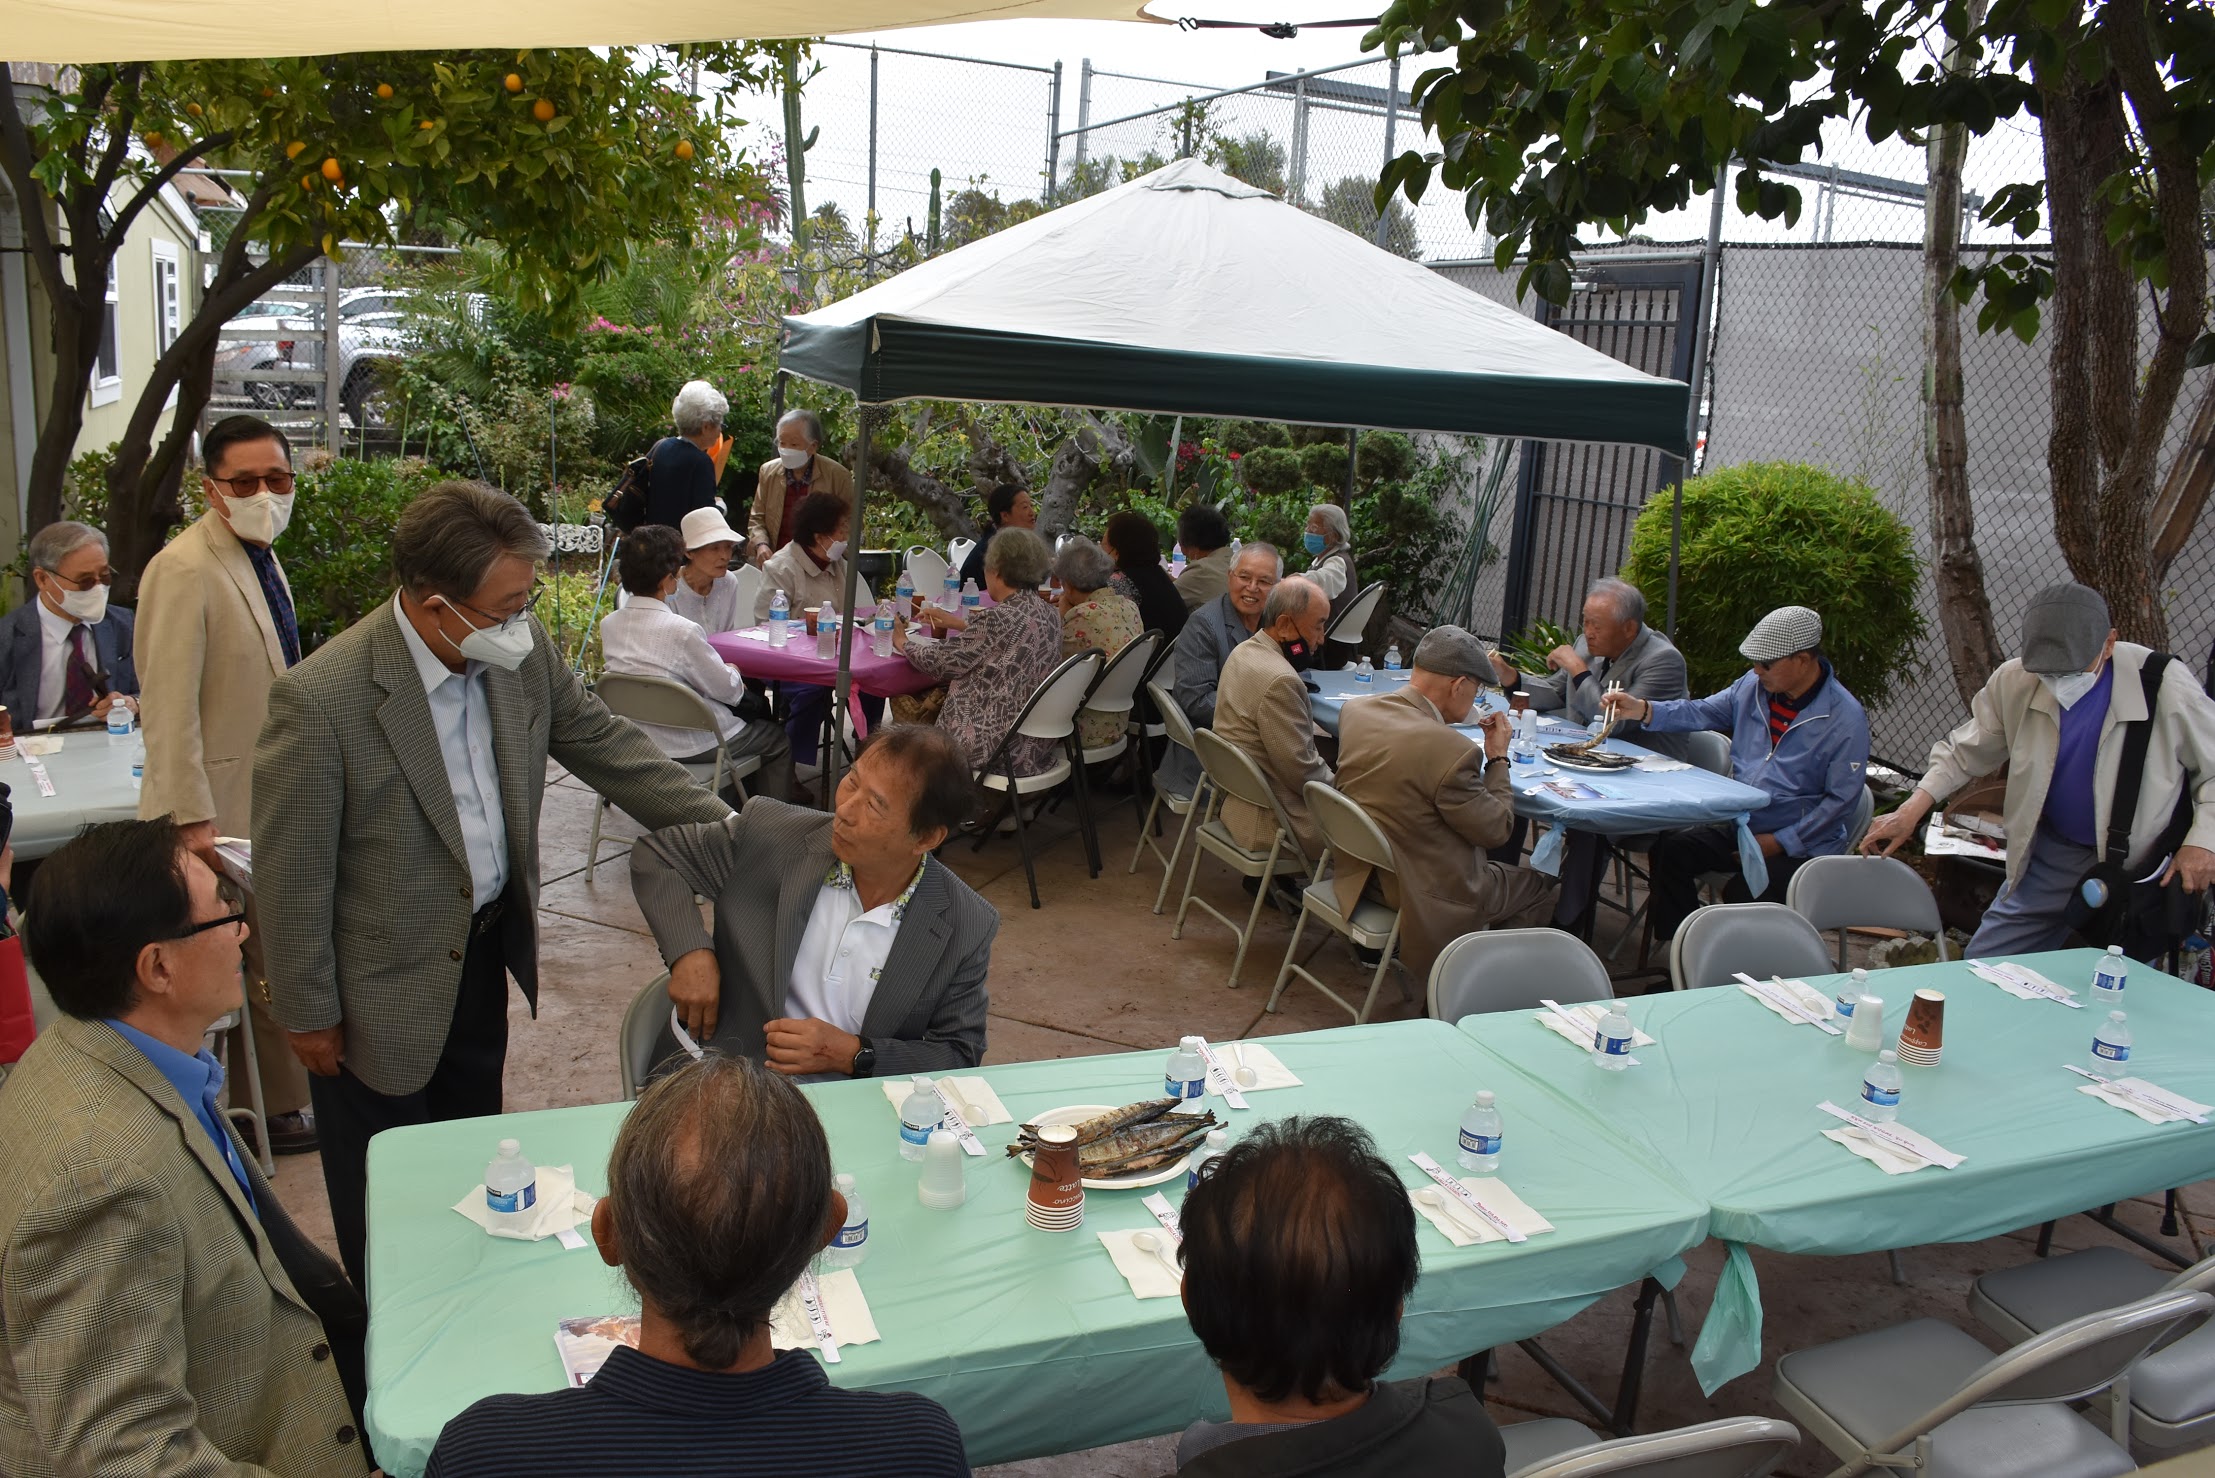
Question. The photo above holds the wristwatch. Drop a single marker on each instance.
(865, 1061)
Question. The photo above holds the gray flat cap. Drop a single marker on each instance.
(2064, 628)
(1450, 651)
(1784, 631)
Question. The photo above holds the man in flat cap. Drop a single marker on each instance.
(1441, 799)
(2058, 717)
(1795, 733)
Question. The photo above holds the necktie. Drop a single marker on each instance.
(279, 599)
(80, 687)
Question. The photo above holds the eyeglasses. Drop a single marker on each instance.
(82, 582)
(502, 623)
(279, 483)
(227, 893)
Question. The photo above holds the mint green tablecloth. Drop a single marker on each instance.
(1031, 1339)
(1726, 1100)
(92, 782)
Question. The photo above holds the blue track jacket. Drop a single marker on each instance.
(1813, 776)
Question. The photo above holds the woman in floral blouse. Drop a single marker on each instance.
(1093, 615)
(994, 664)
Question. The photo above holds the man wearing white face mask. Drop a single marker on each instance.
(396, 800)
(2058, 717)
(215, 627)
(67, 654)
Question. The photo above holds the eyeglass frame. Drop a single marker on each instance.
(226, 891)
(82, 583)
(249, 486)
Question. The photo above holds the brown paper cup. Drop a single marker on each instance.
(1056, 1182)
(810, 613)
(1924, 1035)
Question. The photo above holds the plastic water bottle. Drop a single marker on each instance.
(2108, 979)
(1480, 1136)
(880, 630)
(1392, 658)
(780, 618)
(138, 765)
(1523, 746)
(1612, 1038)
(511, 1183)
(949, 595)
(2110, 1045)
(1218, 1140)
(919, 1115)
(851, 1245)
(2192, 967)
(1851, 993)
(1880, 1089)
(826, 633)
(1186, 1075)
(1364, 670)
(1176, 562)
(119, 723)
(972, 600)
(904, 592)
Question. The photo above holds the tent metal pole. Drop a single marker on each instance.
(1710, 259)
(1391, 144)
(869, 261)
(1353, 446)
(842, 694)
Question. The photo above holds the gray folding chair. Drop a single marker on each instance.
(1352, 624)
(1348, 832)
(1873, 1400)
(2168, 1398)
(1847, 893)
(1857, 826)
(1761, 939)
(1709, 750)
(1178, 730)
(642, 1023)
(1051, 713)
(1511, 970)
(659, 700)
(1231, 772)
(1736, 1447)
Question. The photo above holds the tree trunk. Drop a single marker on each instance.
(2183, 496)
(1964, 609)
(891, 469)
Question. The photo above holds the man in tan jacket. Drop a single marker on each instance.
(1261, 707)
(215, 627)
(1441, 799)
(798, 469)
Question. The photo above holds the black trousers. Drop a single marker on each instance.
(465, 1084)
(1681, 858)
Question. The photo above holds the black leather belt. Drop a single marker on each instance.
(483, 919)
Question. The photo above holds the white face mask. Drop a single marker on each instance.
(503, 646)
(836, 552)
(86, 605)
(793, 457)
(261, 518)
(2069, 687)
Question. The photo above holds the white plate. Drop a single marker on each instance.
(1568, 762)
(1077, 1113)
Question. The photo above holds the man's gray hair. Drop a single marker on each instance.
(1628, 601)
(698, 406)
(57, 541)
(1290, 598)
(811, 424)
(1334, 519)
(1082, 565)
(449, 537)
(1018, 557)
(1259, 546)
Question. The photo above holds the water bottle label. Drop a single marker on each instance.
(1479, 1144)
(1845, 1003)
(1610, 1046)
(1184, 1087)
(1881, 1097)
(916, 1133)
(851, 1235)
(516, 1200)
(2111, 1051)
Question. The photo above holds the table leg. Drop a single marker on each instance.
(2105, 1216)
(1623, 1416)
(1583, 869)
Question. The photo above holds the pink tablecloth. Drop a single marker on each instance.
(749, 651)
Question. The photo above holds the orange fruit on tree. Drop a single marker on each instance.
(514, 82)
(307, 182)
(684, 148)
(426, 125)
(543, 110)
(153, 138)
(384, 90)
(194, 109)
(333, 171)
(294, 149)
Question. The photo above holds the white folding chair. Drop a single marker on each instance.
(1115, 691)
(1761, 939)
(957, 552)
(1848, 892)
(1348, 832)
(1178, 730)
(1512, 970)
(926, 571)
(642, 1023)
(1736, 1447)
(750, 581)
(1231, 772)
(1051, 713)
(1352, 624)
(659, 700)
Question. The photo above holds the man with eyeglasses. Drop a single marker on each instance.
(159, 1312)
(66, 656)
(1795, 733)
(215, 627)
(396, 801)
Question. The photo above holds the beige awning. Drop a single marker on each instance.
(160, 30)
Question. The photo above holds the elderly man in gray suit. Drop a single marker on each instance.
(1214, 631)
(842, 948)
(396, 797)
(1617, 647)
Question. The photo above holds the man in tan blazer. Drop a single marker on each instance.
(396, 800)
(1261, 707)
(215, 627)
(798, 469)
(152, 1309)
(1441, 798)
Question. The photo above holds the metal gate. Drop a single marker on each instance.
(1575, 501)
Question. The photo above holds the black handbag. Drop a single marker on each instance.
(626, 506)
(2148, 918)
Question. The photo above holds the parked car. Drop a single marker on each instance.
(261, 348)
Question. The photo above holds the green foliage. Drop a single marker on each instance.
(1324, 463)
(1352, 203)
(564, 606)
(1529, 648)
(1271, 469)
(338, 548)
(1766, 534)
(976, 212)
(1254, 157)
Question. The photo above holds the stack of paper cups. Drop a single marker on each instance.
(1865, 1028)
(942, 1187)
(1924, 1036)
(1056, 1201)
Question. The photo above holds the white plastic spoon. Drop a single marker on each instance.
(1242, 1075)
(1149, 1243)
(1438, 1200)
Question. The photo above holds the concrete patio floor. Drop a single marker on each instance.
(1095, 971)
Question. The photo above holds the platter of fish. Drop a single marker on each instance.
(1582, 757)
(1140, 1144)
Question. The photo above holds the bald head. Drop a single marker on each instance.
(1296, 609)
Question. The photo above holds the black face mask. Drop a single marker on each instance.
(1298, 654)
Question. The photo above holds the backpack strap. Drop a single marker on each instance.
(2130, 772)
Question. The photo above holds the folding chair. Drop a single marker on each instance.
(1051, 713)
(957, 552)
(750, 581)
(1230, 771)
(1707, 750)
(1848, 892)
(1116, 691)
(1512, 970)
(660, 700)
(1761, 939)
(1351, 625)
(1348, 832)
(926, 570)
(1178, 729)
(1736, 1447)
(251, 1116)
(642, 1023)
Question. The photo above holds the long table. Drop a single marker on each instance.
(92, 782)
(748, 650)
(1032, 1340)
(1726, 1101)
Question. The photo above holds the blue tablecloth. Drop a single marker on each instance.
(92, 782)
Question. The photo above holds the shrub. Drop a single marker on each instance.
(337, 551)
(565, 606)
(1768, 534)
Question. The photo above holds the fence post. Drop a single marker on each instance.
(332, 367)
(1299, 141)
(1084, 115)
(1391, 142)
(1053, 137)
(869, 272)
(1703, 349)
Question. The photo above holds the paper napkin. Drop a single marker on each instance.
(1660, 765)
(2024, 983)
(1462, 1226)
(969, 1093)
(1147, 1274)
(1589, 1014)
(44, 744)
(1268, 1071)
(1885, 1157)
(843, 1306)
(2145, 1110)
(1818, 1005)
(560, 1208)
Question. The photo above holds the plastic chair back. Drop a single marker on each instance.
(1710, 751)
(750, 581)
(1353, 622)
(2083, 1357)
(1347, 829)
(1233, 771)
(1173, 720)
(927, 569)
(1761, 939)
(1859, 892)
(1117, 688)
(642, 1022)
(1052, 711)
(1865, 811)
(957, 553)
(1512, 970)
(1738, 1447)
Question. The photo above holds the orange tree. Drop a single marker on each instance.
(566, 159)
